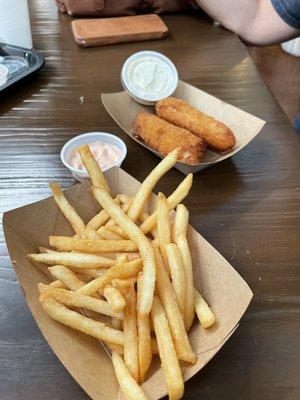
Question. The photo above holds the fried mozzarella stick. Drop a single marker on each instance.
(165, 137)
(215, 134)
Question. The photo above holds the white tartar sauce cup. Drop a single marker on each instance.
(106, 141)
(149, 76)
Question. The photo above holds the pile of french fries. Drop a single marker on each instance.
(126, 278)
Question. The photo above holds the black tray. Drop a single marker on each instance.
(35, 62)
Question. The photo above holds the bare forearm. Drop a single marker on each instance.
(256, 21)
(232, 14)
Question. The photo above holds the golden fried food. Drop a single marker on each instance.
(156, 288)
(215, 134)
(165, 137)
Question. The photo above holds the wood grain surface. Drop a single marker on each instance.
(281, 72)
(247, 207)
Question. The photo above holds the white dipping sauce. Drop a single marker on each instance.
(149, 76)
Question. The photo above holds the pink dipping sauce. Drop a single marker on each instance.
(107, 155)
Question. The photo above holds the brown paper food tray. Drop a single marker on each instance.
(88, 362)
(122, 108)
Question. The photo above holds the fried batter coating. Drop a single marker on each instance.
(215, 134)
(165, 137)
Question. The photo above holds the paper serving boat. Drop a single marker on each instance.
(122, 108)
(84, 357)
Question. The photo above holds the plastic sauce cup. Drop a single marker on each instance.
(86, 138)
(144, 95)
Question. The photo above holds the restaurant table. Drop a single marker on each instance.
(247, 207)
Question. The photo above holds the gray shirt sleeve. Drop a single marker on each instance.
(289, 11)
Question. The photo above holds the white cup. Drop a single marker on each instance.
(87, 138)
(15, 23)
(292, 47)
(144, 97)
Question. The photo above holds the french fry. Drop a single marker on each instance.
(181, 222)
(146, 188)
(143, 216)
(120, 249)
(93, 168)
(204, 313)
(83, 277)
(77, 260)
(90, 233)
(122, 258)
(125, 257)
(117, 324)
(129, 387)
(123, 284)
(115, 347)
(117, 230)
(130, 333)
(73, 299)
(125, 207)
(57, 284)
(167, 353)
(124, 198)
(186, 258)
(177, 275)
(101, 218)
(145, 208)
(81, 323)
(167, 296)
(163, 227)
(144, 336)
(64, 243)
(71, 280)
(114, 298)
(90, 272)
(108, 234)
(45, 250)
(98, 220)
(66, 276)
(110, 223)
(122, 271)
(135, 234)
(69, 212)
(173, 200)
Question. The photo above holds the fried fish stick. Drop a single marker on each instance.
(165, 137)
(215, 134)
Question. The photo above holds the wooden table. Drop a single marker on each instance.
(247, 207)
(274, 62)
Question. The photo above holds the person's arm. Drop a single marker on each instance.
(255, 21)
